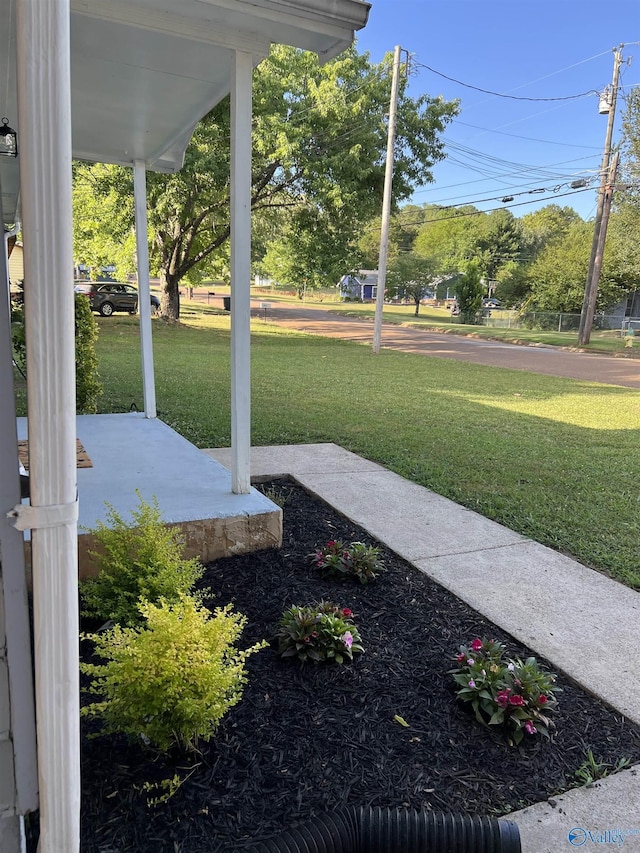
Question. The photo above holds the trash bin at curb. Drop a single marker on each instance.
(226, 302)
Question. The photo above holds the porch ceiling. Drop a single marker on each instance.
(144, 72)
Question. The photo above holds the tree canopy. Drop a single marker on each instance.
(319, 139)
(411, 276)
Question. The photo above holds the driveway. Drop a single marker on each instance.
(610, 370)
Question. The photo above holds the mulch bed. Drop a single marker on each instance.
(305, 740)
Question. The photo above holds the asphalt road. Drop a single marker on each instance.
(610, 370)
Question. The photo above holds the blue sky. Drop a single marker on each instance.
(526, 48)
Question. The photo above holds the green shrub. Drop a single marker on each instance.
(18, 341)
(355, 560)
(171, 680)
(88, 387)
(138, 561)
(319, 632)
(518, 695)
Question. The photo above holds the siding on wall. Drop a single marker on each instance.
(16, 265)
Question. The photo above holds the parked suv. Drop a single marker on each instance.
(112, 296)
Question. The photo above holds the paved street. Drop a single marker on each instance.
(538, 359)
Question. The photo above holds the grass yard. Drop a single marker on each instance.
(555, 459)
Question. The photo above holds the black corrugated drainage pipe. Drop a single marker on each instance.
(376, 830)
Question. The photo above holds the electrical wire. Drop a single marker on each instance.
(527, 138)
(501, 94)
(482, 212)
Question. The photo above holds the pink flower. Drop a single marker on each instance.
(502, 698)
(347, 612)
(460, 657)
(542, 699)
(347, 639)
(472, 684)
(530, 728)
(331, 544)
(476, 645)
(516, 700)
(470, 661)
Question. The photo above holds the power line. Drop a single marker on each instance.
(482, 212)
(501, 94)
(528, 138)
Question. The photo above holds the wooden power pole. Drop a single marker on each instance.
(593, 277)
(386, 204)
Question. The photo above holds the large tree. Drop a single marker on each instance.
(412, 277)
(319, 139)
(623, 236)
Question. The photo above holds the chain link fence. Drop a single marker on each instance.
(557, 321)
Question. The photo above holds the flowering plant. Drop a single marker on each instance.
(318, 632)
(511, 692)
(356, 560)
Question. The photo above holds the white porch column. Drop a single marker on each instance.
(44, 110)
(241, 272)
(144, 303)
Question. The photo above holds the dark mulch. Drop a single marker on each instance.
(304, 740)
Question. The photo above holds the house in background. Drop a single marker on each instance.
(16, 263)
(362, 287)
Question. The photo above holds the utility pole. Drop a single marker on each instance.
(602, 235)
(591, 287)
(386, 204)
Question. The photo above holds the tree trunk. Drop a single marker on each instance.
(169, 296)
(417, 307)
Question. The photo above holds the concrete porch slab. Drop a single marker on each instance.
(131, 453)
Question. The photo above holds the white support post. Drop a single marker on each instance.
(44, 111)
(144, 301)
(241, 272)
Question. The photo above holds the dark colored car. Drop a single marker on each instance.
(492, 302)
(113, 296)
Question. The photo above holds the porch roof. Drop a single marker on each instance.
(144, 72)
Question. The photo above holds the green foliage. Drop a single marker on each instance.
(550, 224)
(469, 293)
(88, 387)
(505, 692)
(319, 140)
(136, 561)
(319, 633)
(591, 769)
(276, 495)
(18, 340)
(355, 560)
(170, 680)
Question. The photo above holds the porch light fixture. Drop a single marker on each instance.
(8, 139)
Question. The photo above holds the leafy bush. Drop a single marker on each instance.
(356, 560)
(171, 680)
(88, 387)
(138, 561)
(18, 340)
(318, 632)
(512, 693)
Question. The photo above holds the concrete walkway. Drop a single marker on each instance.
(585, 624)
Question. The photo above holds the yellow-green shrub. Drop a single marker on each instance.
(136, 561)
(171, 680)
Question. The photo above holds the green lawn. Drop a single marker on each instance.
(555, 459)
